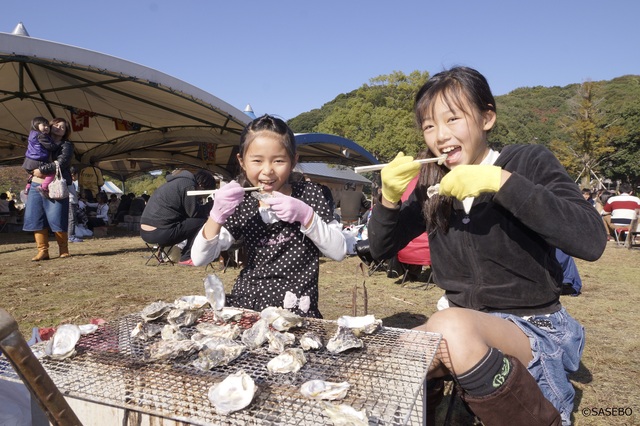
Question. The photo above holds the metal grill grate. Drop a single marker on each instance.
(110, 368)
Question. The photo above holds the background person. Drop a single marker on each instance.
(283, 234)
(91, 178)
(494, 225)
(171, 216)
(42, 213)
(620, 210)
(353, 204)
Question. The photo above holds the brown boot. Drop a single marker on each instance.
(42, 243)
(63, 244)
(433, 394)
(519, 401)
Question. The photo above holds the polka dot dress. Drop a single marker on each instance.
(280, 258)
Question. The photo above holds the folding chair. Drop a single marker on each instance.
(416, 253)
(362, 250)
(160, 254)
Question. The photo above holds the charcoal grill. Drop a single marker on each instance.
(112, 369)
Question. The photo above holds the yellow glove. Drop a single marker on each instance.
(470, 181)
(396, 176)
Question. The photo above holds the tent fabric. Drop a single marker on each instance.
(129, 118)
(111, 188)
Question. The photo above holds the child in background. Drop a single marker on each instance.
(286, 226)
(39, 146)
(494, 224)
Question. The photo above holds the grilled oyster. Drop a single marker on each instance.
(184, 317)
(310, 340)
(281, 319)
(191, 302)
(156, 311)
(319, 389)
(214, 292)
(343, 340)
(290, 361)
(146, 330)
(228, 314)
(345, 415)
(278, 341)
(63, 343)
(87, 328)
(163, 350)
(233, 393)
(230, 331)
(367, 324)
(255, 336)
(172, 332)
(218, 351)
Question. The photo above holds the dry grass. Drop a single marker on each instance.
(106, 278)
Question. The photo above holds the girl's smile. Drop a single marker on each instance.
(267, 163)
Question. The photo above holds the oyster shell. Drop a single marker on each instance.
(281, 319)
(290, 361)
(155, 311)
(310, 340)
(172, 332)
(184, 317)
(319, 389)
(218, 351)
(87, 328)
(146, 330)
(170, 349)
(255, 336)
(191, 302)
(278, 341)
(345, 415)
(367, 324)
(233, 393)
(63, 343)
(228, 314)
(214, 292)
(230, 331)
(343, 340)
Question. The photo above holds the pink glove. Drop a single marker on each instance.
(225, 201)
(289, 209)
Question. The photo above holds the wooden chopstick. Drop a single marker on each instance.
(213, 191)
(380, 166)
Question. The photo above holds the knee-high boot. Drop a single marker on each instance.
(63, 243)
(42, 243)
(519, 401)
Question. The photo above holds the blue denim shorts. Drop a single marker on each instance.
(557, 341)
(41, 213)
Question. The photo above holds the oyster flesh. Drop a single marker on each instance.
(319, 389)
(343, 340)
(310, 340)
(345, 415)
(155, 311)
(255, 336)
(218, 351)
(233, 393)
(290, 361)
(214, 292)
(367, 324)
(63, 343)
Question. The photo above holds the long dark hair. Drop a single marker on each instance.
(267, 123)
(454, 86)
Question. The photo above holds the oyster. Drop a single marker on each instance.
(87, 328)
(343, 340)
(218, 351)
(191, 302)
(170, 349)
(233, 393)
(290, 361)
(228, 314)
(230, 331)
(345, 415)
(146, 330)
(367, 324)
(255, 336)
(278, 341)
(319, 389)
(172, 332)
(184, 317)
(156, 311)
(214, 292)
(281, 319)
(310, 340)
(63, 343)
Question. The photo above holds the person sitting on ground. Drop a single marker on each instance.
(506, 339)
(101, 216)
(171, 216)
(620, 210)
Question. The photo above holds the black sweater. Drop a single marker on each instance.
(170, 204)
(501, 256)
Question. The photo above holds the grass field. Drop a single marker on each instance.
(107, 278)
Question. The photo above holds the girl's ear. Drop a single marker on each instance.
(240, 161)
(489, 120)
(295, 161)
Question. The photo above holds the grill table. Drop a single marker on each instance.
(109, 380)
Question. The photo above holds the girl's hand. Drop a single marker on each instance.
(289, 209)
(396, 176)
(471, 180)
(225, 202)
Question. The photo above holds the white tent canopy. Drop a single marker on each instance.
(111, 188)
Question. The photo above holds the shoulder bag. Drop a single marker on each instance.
(58, 189)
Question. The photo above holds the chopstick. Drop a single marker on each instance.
(213, 191)
(380, 166)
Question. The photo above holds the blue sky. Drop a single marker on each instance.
(288, 57)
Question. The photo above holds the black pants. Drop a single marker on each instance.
(185, 230)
